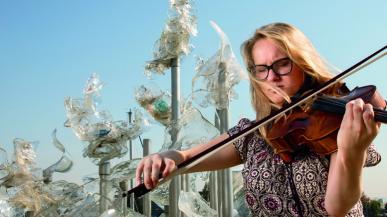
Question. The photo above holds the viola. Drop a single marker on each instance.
(315, 128)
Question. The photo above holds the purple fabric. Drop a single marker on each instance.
(266, 184)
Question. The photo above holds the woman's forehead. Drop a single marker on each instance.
(266, 51)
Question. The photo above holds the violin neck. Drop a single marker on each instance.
(337, 106)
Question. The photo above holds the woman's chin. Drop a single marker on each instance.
(278, 101)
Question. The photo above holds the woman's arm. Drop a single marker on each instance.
(356, 133)
(151, 166)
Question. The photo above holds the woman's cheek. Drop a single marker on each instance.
(275, 98)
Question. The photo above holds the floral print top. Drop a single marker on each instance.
(266, 178)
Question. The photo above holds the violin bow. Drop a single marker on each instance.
(140, 190)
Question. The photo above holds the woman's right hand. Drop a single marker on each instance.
(158, 165)
(151, 166)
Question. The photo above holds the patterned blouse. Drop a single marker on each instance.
(266, 178)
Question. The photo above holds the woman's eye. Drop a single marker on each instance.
(285, 63)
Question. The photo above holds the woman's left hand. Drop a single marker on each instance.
(357, 129)
(356, 133)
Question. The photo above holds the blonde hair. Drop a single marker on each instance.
(297, 47)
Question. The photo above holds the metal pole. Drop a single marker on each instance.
(221, 203)
(166, 211)
(131, 184)
(124, 201)
(225, 175)
(227, 200)
(229, 207)
(175, 186)
(185, 185)
(104, 173)
(219, 176)
(147, 209)
(213, 190)
(213, 183)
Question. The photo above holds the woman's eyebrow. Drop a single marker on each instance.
(271, 62)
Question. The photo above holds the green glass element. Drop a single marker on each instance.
(160, 106)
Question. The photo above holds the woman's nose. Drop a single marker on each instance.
(272, 76)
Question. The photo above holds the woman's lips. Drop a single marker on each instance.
(272, 90)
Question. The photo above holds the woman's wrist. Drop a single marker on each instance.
(351, 159)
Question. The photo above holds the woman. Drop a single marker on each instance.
(283, 64)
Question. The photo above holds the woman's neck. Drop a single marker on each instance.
(309, 83)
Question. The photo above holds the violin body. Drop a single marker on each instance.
(316, 128)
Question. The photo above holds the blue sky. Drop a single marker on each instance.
(48, 49)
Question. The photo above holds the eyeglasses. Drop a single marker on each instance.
(280, 67)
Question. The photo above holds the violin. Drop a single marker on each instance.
(315, 128)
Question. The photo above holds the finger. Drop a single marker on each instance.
(348, 115)
(155, 170)
(139, 170)
(169, 167)
(358, 123)
(147, 174)
(368, 117)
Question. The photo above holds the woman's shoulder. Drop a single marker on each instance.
(245, 145)
(242, 124)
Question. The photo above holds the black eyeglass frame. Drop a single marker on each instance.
(253, 69)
